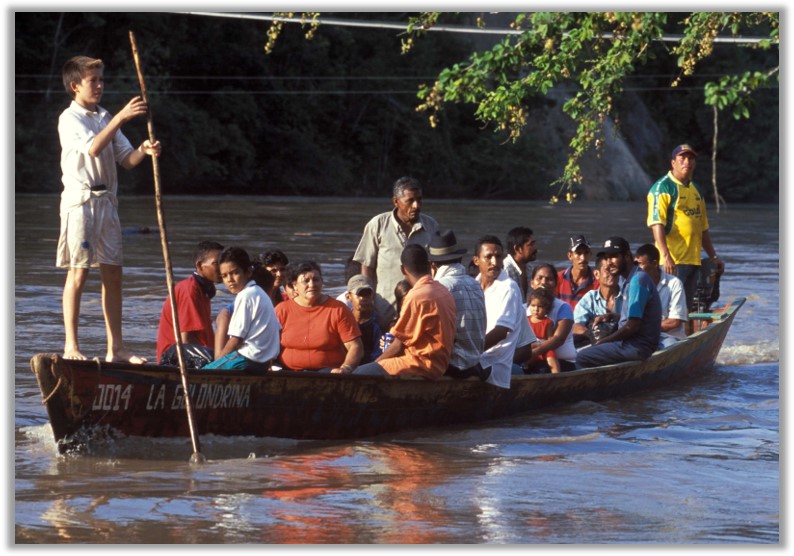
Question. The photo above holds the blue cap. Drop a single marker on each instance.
(685, 148)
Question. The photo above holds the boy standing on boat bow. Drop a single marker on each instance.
(91, 145)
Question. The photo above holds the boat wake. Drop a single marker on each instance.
(750, 354)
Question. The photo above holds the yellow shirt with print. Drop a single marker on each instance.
(681, 210)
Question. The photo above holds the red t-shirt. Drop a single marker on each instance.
(543, 331)
(314, 337)
(194, 312)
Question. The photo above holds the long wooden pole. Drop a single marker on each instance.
(197, 457)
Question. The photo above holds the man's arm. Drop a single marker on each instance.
(369, 272)
(232, 344)
(671, 324)
(395, 348)
(708, 247)
(666, 261)
(496, 335)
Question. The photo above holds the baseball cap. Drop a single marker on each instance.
(577, 241)
(614, 246)
(685, 148)
(358, 283)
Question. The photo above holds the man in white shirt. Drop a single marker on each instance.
(671, 294)
(507, 328)
(521, 250)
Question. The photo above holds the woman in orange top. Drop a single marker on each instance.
(318, 333)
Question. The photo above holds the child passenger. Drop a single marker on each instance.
(541, 301)
(253, 340)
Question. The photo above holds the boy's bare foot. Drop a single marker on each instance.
(125, 357)
(73, 353)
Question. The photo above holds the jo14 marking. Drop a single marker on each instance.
(112, 397)
(117, 397)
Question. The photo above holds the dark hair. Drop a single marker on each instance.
(517, 237)
(545, 265)
(236, 255)
(403, 184)
(204, 248)
(543, 295)
(295, 270)
(400, 291)
(486, 239)
(272, 257)
(263, 277)
(648, 250)
(415, 260)
(600, 259)
(75, 69)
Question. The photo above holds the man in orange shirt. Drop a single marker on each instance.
(425, 331)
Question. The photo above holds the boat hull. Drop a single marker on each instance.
(149, 401)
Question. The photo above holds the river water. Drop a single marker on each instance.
(697, 462)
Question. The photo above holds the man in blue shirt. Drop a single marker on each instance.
(637, 336)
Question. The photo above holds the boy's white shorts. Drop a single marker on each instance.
(90, 234)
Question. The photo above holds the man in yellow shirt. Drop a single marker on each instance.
(677, 218)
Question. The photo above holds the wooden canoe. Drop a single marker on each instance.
(82, 397)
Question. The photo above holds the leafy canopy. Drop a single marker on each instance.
(594, 52)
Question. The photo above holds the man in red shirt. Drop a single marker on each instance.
(578, 279)
(425, 330)
(193, 305)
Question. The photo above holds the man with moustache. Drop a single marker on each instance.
(640, 325)
(677, 218)
(383, 241)
(508, 336)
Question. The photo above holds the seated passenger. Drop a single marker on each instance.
(360, 295)
(446, 262)
(671, 295)
(637, 336)
(521, 250)
(265, 280)
(253, 329)
(545, 276)
(193, 295)
(275, 262)
(508, 337)
(540, 303)
(425, 330)
(598, 312)
(318, 333)
(578, 279)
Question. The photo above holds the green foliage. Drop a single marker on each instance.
(596, 51)
(309, 118)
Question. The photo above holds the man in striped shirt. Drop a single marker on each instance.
(578, 279)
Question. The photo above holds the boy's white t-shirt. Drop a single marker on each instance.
(254, 321)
